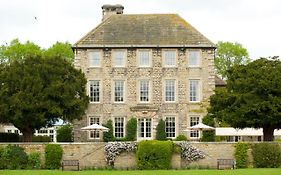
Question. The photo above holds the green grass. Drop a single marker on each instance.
(276, 171)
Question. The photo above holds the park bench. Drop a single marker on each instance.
(70, 163)
(225, 163)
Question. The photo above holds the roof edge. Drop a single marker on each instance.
(141, 46)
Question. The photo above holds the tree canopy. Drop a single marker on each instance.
(229, 54)
(252, 97)
(36, 90)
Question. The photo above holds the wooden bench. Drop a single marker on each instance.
(70, 163)
(225, 163)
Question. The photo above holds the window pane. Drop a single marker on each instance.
(170, 90)
(193, 90)
(194, 58)
(144, 90)
(170, 58)
(119, 91)
(119, 127)
(95, 58)
(170, 126)
(119, 59)
(194, 121)
(94, 91)
(144, 128)
(144, 58)
(94, 134)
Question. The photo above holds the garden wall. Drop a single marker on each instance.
(92, 154)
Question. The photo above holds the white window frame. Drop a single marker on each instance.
(114, 92)
(195, 123)
(168, 133)
(146, 135)
(164, 52)
(91, 120)
(190, 56)
(139, 58)
(198, 91)
(139, 90)
(115, 54)
(165, 89)
(90, 93)
(90, 56)
(119, 129)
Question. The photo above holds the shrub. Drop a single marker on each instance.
(53, 156)
(9, 137)
(241, 155)
(2, 165)
(266, 155)
(14, 157)
(34, 161)
(190, 153)
(65, 133)
(160, 130)
(181, 138)
(108, 136)
(208, 136)
(154, 154)
(131, 130)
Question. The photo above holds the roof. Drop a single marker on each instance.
(219, 82)
(145, 29)
(228, 131)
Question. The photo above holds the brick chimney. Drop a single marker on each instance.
(108, 10)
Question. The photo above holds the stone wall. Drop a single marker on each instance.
(92, 154)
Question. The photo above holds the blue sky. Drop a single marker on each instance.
(253, 23)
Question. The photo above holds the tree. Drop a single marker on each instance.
(60, 49)
(252, 97)
(160, 131)
(65, 133)
(229, 54)
(36, 91)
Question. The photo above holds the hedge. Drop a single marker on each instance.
(13, 157)
(241, 155)
(9, 137)
(53, 156)
(154, 154)
(266, 155)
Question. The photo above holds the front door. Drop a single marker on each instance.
(144, 129)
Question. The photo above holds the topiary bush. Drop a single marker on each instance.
(181, 138)
(154, 154)
(241, 155)
(14, 157)
(108, 136)
(65, 133)
(9, 137)
(34, 161)
(266, 155)
(131, 129)
(53, 156)
(160, 131)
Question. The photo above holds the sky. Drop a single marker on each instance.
(256, 24)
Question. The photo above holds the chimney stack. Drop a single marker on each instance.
(108, 10)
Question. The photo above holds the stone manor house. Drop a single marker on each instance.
(147, 66)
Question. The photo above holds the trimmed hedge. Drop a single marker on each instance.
(53, 156)
(241, 155)
(181, 138)
(9, 137)
(154, 154)
(266, 155)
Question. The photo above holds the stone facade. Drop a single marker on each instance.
(157, 107)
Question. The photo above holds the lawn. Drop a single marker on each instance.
(276, 171)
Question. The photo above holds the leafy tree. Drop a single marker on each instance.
(230, 54)
(65, 133)
(252, 97)
(160, 130)
(18, 51)
(36, 91)
(60, 49)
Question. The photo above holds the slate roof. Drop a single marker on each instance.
(145, 29)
